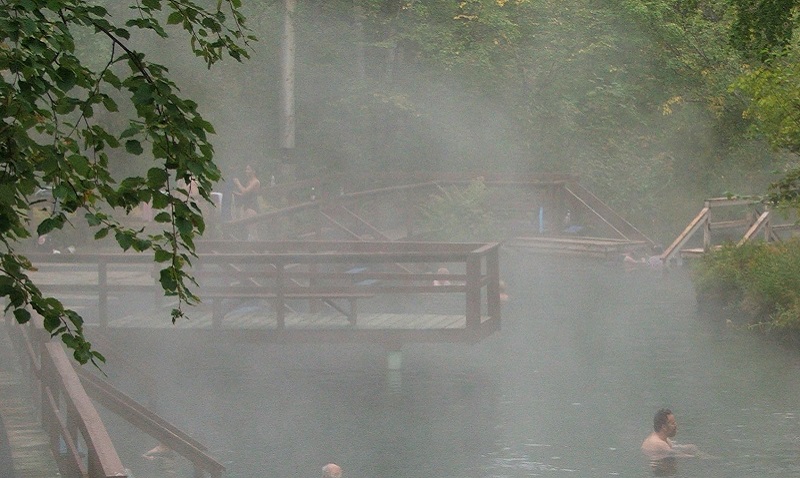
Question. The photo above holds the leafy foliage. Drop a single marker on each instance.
(763, 26)
(62, 120)
(458, 214)
(758, 279)
(766, 32)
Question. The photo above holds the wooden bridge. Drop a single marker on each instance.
(732, 220)
(294, 291)
(530, 211)
(289, 275)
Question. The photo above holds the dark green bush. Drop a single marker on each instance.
(760, 280)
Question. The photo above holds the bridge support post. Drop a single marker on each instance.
(394, 369)
(394, 359)
(473, 292)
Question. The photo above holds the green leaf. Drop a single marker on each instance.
(162, 255)
(156, 177)
(174, 18)
(65, 78)
(167, 280)
(133, 147)
(143, 94)
(22, 315)
(124, 240)
(110, 104)
(80, 164)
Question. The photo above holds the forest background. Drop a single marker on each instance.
(649, 102)
(655, 104)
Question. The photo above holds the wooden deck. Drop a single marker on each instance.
(30, 446)
(578, 246)
(294, 291)
(259, 323)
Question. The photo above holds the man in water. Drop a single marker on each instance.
(659, 445)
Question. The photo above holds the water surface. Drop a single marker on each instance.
(568, 388)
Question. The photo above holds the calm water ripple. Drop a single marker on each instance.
(568, 388)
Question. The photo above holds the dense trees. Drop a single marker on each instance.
(635, 96)
(639, 97)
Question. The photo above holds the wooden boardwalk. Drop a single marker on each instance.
(258, 322)
(315, 291)
(577, 246)
(30, 446)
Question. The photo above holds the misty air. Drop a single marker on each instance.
(372, 239)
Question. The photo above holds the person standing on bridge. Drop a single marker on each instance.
(247, 193)
(247, 196)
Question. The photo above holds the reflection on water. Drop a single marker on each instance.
(587, 353)
(665, 466)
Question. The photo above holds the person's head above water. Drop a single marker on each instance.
(664, 421)
(331, 470)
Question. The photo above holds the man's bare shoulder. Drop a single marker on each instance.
(653, 444)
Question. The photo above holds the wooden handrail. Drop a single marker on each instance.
(674, 248)
(67, 412)
(761, 223)
(608, 216)
(51, 366)
(150, 423)
(313, 270)
(60, 380)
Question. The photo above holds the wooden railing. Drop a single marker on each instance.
(318, 270)
(758, 218)
(312, 270)
(68, 416)
(155, 426)
(73, 424)
(406, 190)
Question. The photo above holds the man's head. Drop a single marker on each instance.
(331, 470)
(664, 422)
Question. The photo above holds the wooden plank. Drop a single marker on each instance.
(688, 232)
(30, 446)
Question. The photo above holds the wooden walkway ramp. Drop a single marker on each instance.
(30, 445)
(729, 220)
(531, 210)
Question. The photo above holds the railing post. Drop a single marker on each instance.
(280, 307)
(473, 291)
(158, 292)
(707, 229)
(493, 288)
(314, 305)
(768, 226)
(409, 216)
(48, 390)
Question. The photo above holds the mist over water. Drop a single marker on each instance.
(587, 354)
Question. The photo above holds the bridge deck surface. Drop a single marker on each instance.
(28, 444)
(258, 318)
(260, 324)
